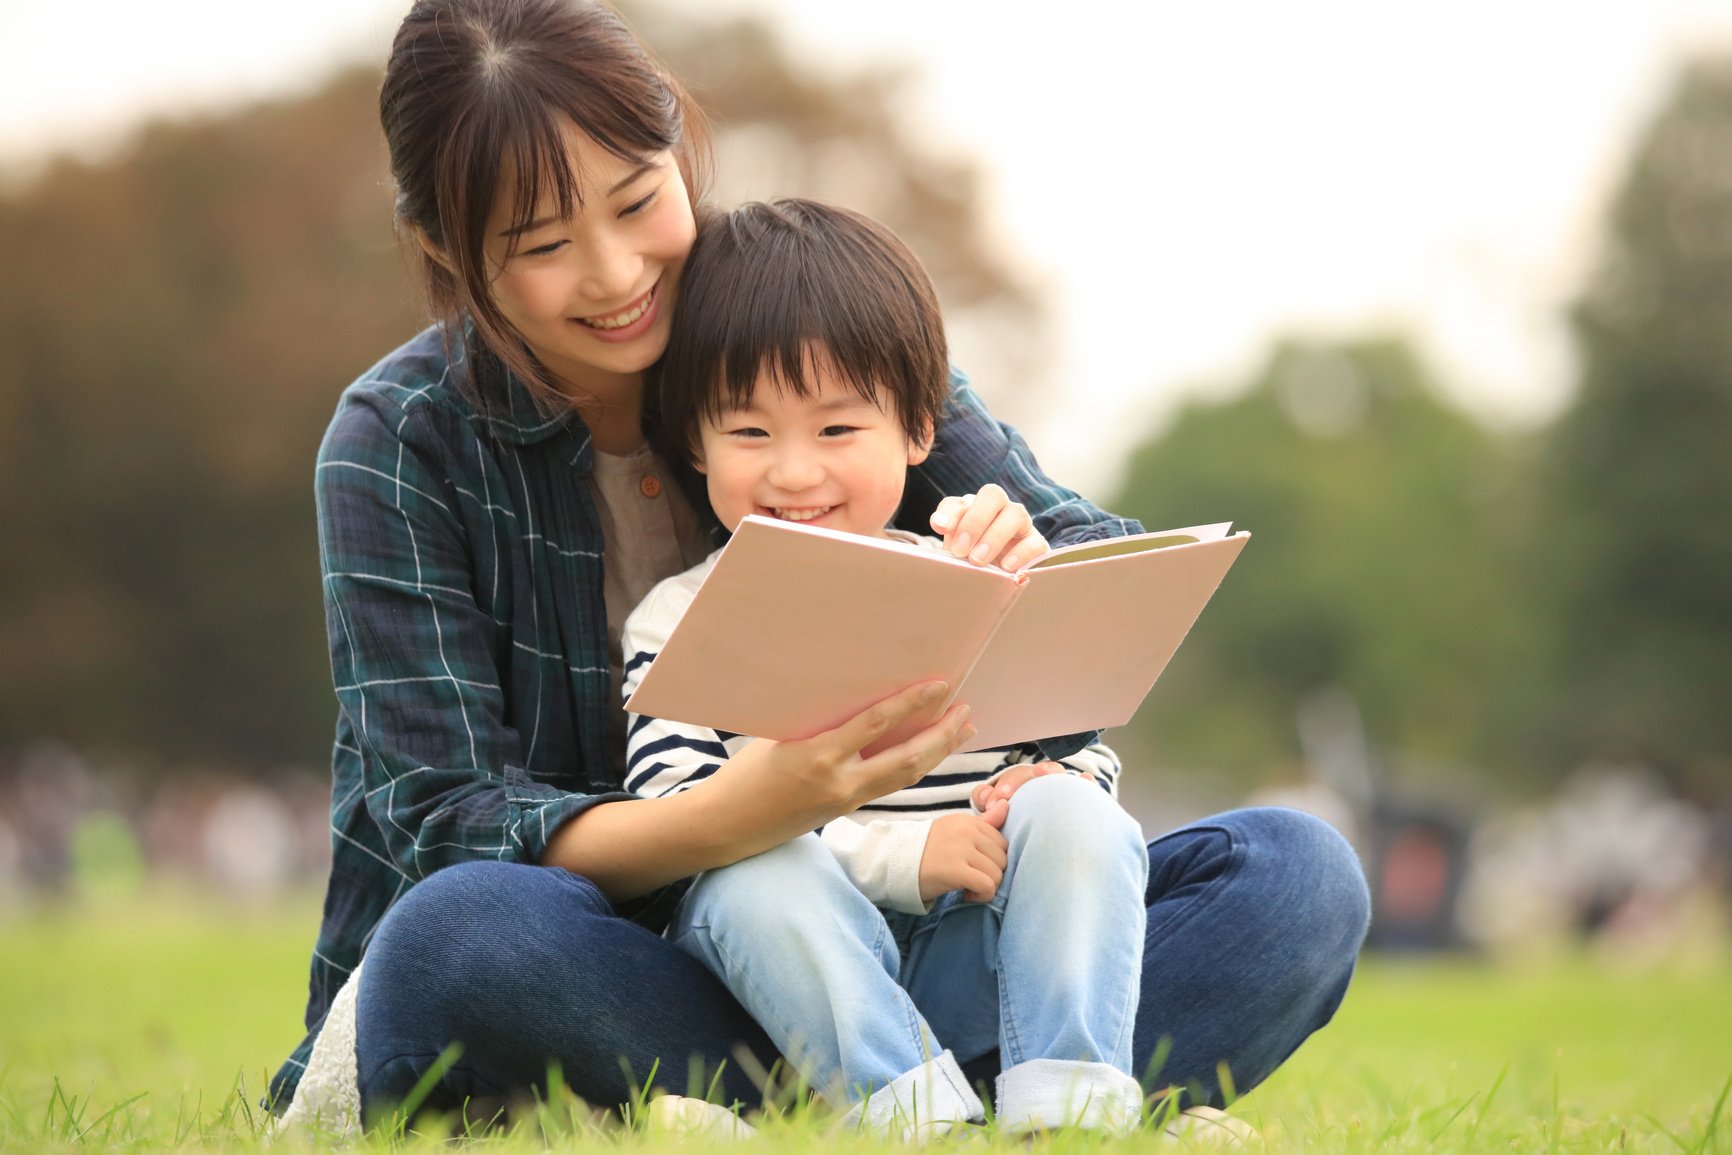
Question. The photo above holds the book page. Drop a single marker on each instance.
(1136, 543)
(1084, 644)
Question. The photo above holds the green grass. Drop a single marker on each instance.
(152, 1024)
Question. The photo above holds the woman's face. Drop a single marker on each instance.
(593, 295)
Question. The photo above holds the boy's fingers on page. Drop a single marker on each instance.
(981, 512)
(1009, 528)
(1026, 550)
(945, 517)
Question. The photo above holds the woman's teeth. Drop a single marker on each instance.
(621, 320)
(801, 514)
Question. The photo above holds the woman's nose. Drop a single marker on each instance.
(612, 270)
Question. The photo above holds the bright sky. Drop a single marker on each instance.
(1188, 180)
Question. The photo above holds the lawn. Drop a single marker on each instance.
(165, 1013)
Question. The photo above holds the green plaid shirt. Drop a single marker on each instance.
(462, 563)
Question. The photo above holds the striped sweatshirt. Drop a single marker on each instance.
(879, 845)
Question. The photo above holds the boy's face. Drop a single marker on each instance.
(832, 459)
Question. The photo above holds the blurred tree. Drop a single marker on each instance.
(175, 326)
(1639, 468)
(1381, 562)
(786, 126)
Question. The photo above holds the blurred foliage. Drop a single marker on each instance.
(1638, 473)
(1520, 605)
(176, 324)
(1384, 559)
(174, 328)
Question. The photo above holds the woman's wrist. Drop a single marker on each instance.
(631, 847)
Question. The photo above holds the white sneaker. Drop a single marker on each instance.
(683, 1117)
(1209, 1126)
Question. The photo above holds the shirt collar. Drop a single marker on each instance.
(505, 405)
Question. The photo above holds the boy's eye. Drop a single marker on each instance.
(839, 430)
(747, 431)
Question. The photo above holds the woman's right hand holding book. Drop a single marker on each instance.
(767, 794)
(780, 790)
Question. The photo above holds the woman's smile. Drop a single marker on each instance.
(628, 323)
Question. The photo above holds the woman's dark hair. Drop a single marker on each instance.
(479, 89)
(768, 287)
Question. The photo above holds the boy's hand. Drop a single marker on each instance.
(988, 529)
(964, 852)
(988, 793)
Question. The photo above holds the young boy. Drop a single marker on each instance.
(998, 902)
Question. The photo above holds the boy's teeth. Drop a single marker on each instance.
(802, 514)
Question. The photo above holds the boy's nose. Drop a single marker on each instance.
(793, 472)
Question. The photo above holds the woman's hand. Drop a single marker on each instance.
(767, 794)
(988, 529)
(987, 794)
(825, 776)
(965, 852)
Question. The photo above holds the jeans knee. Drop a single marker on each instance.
(1318, 872)
(1071, 817)
(475, 894)
(770, 889)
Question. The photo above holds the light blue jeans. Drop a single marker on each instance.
(876, 1008)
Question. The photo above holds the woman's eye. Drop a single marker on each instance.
(637, 206)
(543, 250)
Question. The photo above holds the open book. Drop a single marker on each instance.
(798, 628)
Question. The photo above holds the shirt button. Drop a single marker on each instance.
(651, 485)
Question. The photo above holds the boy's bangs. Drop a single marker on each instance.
(786, 325)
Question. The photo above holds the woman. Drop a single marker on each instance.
(488, 513)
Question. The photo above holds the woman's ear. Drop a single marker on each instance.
(434, 252)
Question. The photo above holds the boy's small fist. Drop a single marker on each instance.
(963, 852)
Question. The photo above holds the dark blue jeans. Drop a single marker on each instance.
(1254, 922)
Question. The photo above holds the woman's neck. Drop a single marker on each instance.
(610, 407)
(615, 431)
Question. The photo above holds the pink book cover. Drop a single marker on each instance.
(797, 629)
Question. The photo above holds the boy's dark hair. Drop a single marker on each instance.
(765, 284)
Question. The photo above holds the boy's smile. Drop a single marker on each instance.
(831, 458)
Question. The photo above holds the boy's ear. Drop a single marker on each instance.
(433, 251)
(920, 445)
